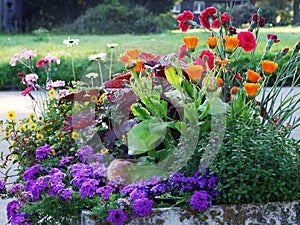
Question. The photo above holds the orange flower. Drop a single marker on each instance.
(124, 58)
(211, 42)
(191, 42)
(253, 76)
(251, 89)
(231, 43)
(222, 62)
(234, 90)
(269, 66)
(194, 72)
(219, 81)
(139, 65)
(133, 53)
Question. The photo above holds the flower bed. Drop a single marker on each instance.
(162, 130)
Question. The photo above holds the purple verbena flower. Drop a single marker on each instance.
(2, 185)
(65, 194)
(30, 173)
(200, 200)
(85, 153)
(105, 192)
(16, 187)
(88, 188)
(159, 188)
(65, 160)
(43, 151)
(40, 185)
(116, 216)
(142, 207)
(138, 193)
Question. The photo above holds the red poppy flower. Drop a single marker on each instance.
(182, 18)
(247, 40)
(207, 17)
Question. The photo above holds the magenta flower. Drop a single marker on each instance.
(273, 37)
(207, 17)
(14, 59)
(27, 90)
(184, 19)
(55, 84)
(50, 58)
(182, 52)
(207, 55)
(247, 40)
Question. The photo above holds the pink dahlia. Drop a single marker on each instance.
(207, 55)
(247, 40)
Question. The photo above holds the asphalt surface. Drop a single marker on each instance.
(22, 106)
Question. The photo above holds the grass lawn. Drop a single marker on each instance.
(158, 43)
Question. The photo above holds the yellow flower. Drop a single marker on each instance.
(32, 116)
(40, 118)
(93, 98)
(211, 42)
(39, 136)
(252, 76)
(251, 89)
(191, 42)
(11, 115)
(32, 126)
(194, 72)
(104, 150)
(51, 92)
(75, 135)
(231, 43)
(22, 128)
(7, 134)
(269, 66)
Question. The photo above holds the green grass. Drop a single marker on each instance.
(90, 44)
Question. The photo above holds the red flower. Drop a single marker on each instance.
(273, 37)
(183, 18)
(21, 74)
(261, 22)
(224, 17)
(207, 17)
(41, 62)
(247, 40)
(207, 55)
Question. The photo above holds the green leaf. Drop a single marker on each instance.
(145, 135)
(173, 78)
(139, 111)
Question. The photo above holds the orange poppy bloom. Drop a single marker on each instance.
(133, 53)
(231, 42)
(253, 76)
(194, 72)
(251, 89)
(234, 90)
(211, 42)
(269, 66)
(139, 65)
(191, 42)
(219, 81)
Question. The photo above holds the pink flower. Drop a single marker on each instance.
(183, 18)
(26, 54)
(41, 62)
(30, 78)
(247, 40)
(27, 90)
(261, 21)
(58, 83)
(14, 59)
(207, 16)
(182, 52)
(64, 92)
(207, 55)
(273, 38)
(50, 58)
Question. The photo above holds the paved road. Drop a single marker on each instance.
(21, 105)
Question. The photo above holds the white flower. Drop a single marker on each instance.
(112, 45)
(91, 75)
(70, 42)
(99, 56)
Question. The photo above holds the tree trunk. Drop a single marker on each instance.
(296, 7)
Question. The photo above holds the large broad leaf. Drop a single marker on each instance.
(173, 78)
(146, 136)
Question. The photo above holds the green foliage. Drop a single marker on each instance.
(257, 164)
(242, 13)
(116, 18)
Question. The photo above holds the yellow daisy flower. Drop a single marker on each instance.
(11, 115)
(22, 128)
(32, 126)
(93, 98)
(39, 136)
(7, 134)
(32, 116)
(51, 92)
(104, 150)
(75, 135)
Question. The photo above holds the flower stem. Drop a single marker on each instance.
(73, 68)
(100, 71)
(110, 66)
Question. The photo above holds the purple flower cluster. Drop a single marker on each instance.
(65, 160)
(31, 172)
(42, 152)
(13, 214)
(86, 154)
(116, 216)
(200, 200)
(105, 192)
(2, 185)
(142, 207)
